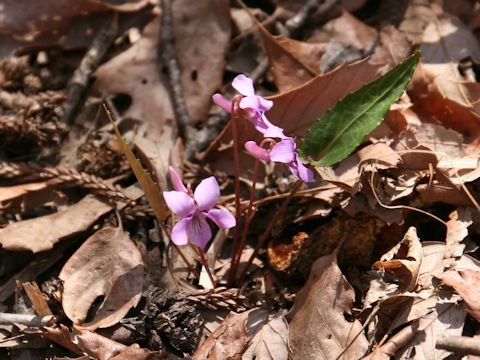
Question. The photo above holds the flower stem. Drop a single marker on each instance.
(267, 232)
(194, 272)
(235, 116)
(205, 263)
(248, 217)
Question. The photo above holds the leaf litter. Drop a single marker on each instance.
(73, 217)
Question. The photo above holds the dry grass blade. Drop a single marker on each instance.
(152, 191)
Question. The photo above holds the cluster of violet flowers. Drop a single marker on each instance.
(254, 108)
(194, 207)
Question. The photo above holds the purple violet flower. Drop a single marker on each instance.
(282, 152)
(253, 106)
(194, 208)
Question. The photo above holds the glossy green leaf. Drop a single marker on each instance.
(343, 127)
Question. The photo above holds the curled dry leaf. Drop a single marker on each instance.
(230, 339)
(404, 260)
(41, 233)
(270, 341)
(467, 284)
(81, 341)
(108, 264)
(317, 325)
(457, 230)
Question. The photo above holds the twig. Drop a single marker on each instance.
(174, 77)
(80, 80)
(463, 345)
(300, 19)
(25, 319)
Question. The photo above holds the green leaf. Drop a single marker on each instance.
(150, 188)
(343, 127)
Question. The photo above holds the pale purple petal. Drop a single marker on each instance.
(300, 170)
(180, 232)
(257, 151)
(243, 85)
(199, 230)
(283, 152)
(265, 104)
(180, 203)
(270, 130)
(250, 102)
(176, 181)
(207, 193)
(222, 102)
(304, 172)
(222, 218)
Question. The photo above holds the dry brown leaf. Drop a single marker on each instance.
(445, 42)
(42, 233)
(229, 340)
(431, 106)
(81, 341)
(293, 62)
(404, 260)
(270, 342)
(457, 230)
(27, 24)
(416, 18)
(29, 196)
(348, 30)
(137, 71)
(467, 284)
(317, 325)
(447, 194)
(107, 264)
(394, 47)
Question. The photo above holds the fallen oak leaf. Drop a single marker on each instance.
(317, 324)
(42, 233)
(107, 264)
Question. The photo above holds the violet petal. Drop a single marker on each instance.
(180, 232)
(176, 180)
(199, 230)
(270, 130)
(180, 203)
(304, 172)
(283, 151)
(222, 102)
(222, 218)
(207, 193)
(243, 85)
(257, 151)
